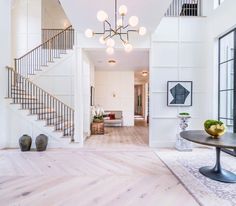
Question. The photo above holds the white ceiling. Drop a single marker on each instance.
(82, 13)
(53, 15)
(136, 60)
(139, 78)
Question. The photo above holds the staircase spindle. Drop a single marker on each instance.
(31, 96)
(32, 61)
(184, 8)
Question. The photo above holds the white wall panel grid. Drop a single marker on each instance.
(26, 26)
(58, 78)
(177, 59)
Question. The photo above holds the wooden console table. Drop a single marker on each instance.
(97, 128)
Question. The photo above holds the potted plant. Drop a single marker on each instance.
(98, 114)
(184, 115)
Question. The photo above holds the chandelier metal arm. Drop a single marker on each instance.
(119, 29)
(121, 38)
(132, 30)
(111, 35)
(104, 28)
(110, 27)
(107, 37)
(107, 23)
(125, 27)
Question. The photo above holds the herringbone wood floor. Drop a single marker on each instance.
(111, 176)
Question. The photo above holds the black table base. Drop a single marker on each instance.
(217, 173)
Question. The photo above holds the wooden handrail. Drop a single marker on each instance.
(52, 29)
(70, 27)
(39, 102)
(41, 55)
(23, 91)
(10, 68)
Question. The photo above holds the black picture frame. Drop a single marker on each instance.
(92, 93)
(184, 86)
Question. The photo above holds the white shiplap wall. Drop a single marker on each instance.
(178, 53)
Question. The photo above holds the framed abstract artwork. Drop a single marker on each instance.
(179, 93)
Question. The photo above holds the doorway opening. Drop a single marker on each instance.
(120, 87)
(141, 98)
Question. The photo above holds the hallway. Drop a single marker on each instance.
(121, 137)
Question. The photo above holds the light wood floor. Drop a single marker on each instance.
(132, 176)
(121, 137)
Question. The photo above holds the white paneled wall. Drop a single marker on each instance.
(53, 15)
(88, 81)
(178, 53)
(5, 56)
(58, 79)
(26, 26)
(114, 90)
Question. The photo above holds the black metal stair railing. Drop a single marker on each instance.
(45, 53)
(49, 33)
(39, 102)
(184, 8)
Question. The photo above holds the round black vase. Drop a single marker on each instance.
(41, 142)
(25, 143)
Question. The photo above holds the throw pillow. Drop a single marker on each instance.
(112, 116)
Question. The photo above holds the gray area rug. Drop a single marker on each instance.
(207, 192)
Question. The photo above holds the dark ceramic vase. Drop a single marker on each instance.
(25, 143)
(41, 142)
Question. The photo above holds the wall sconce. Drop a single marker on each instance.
(114, 94)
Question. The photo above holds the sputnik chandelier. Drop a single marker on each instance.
(121, 29)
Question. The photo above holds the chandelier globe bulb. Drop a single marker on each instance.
(102, 16)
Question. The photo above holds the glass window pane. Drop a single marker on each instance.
(229, 124)
(226, 78)
(226, 104)
(227, 47)
(227, 75)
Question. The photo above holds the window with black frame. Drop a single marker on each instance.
(226, 80)
(220, 1)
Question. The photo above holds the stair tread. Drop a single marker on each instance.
(21, 94)
(35, 103)
(33, 108)
(41, 113)
(25, 98)
(18, 89)
(54, 117)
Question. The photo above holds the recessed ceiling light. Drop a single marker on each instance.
(112, 61)
(144, 73)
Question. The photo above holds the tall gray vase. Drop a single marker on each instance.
(41, 142)
(25, 143)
